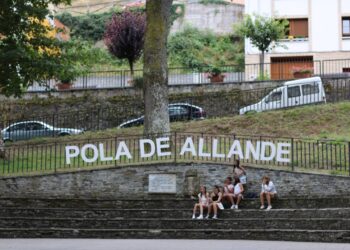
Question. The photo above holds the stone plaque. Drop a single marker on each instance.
(162, 183)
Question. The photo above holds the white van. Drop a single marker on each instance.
(291, 94)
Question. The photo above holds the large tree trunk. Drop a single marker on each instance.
(155, 69)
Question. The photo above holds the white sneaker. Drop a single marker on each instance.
(215, 217)
(193, 216)
(200, 217)
(233, 206)
(236, 207)
(262, 207)
(269, 208)
(207, 217)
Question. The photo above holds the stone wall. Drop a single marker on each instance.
(133, 182)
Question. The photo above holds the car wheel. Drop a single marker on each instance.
(63, 134)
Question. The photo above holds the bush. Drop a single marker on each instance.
(195, 49)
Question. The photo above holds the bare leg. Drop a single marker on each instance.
(239, 197)
(201, 209)
(269, 196)
(230, 197)
(262, 198)
(195, 208)
(215, 207)
(209, 208)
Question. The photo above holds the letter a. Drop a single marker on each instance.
(188, 147)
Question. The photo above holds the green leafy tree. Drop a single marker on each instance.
(28, 53)
(264, 33)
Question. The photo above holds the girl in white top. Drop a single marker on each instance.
(203, 203)
(268, 191)
(237, 193)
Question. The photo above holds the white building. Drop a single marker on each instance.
(319, 30)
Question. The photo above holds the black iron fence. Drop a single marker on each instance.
(229, 74)
(285, 153)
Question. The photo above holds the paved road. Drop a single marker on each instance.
(91, 244)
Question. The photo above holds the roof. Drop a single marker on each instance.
(241, 2)
(64, 34)
(304, 80)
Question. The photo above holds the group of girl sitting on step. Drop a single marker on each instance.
(231, 194)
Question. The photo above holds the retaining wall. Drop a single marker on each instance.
(131, 182)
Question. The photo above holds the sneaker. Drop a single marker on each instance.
(236, 207)
(193, 216)
(233, 206)
(269, 208)
(200, 217)
(215, 217)
(207, 217)
(262, 207)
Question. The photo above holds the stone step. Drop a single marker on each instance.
(249, 234)
(335, 202)
(179, 224)
(170, 213)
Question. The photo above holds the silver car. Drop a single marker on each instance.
(30, 129)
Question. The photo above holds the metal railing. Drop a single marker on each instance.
(284, 153)
(187, 76)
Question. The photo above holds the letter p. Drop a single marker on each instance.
(71, 152)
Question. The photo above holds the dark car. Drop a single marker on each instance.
(177, 112)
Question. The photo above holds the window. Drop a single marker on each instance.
(17, 127)
(298, 28)
(177, 111)
(346, 26)
(309, 89)
(293, 92)
(275, 97)
(346, 70)
(35, 126)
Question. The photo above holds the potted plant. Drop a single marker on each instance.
(65, 83)
(302, 72)
(215, 75)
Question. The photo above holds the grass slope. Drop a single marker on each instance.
(330, 121)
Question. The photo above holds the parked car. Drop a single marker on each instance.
(291, 94)
(30, 129)
(177, 112)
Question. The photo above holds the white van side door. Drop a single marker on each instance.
(294, 97)
(273, 100)
(312, 93)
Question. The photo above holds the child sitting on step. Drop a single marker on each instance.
(203, 203)
(268, 191)
(215, 202)
(237, 193)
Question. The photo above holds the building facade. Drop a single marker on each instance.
(319, 31)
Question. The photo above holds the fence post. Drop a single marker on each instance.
(53, 124)
(175, 149)
(292, 154)
(55, 167)
(349, 156)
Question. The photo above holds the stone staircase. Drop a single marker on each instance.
(297, 219)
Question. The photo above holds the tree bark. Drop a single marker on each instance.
(262, 61)
(155, 69)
